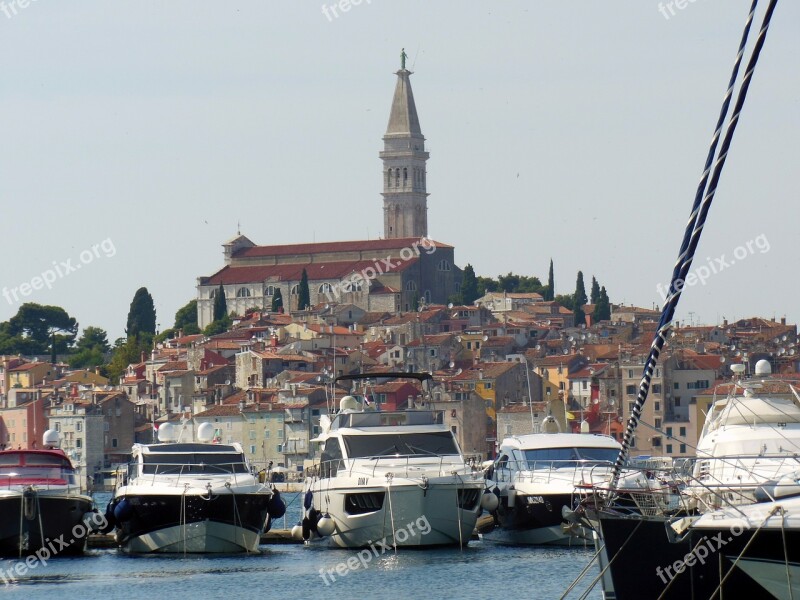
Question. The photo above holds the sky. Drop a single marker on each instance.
(136, 135)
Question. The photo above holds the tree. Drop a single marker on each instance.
(186, 316)
(415, 302)
(565, 300)
(594, 295)
(551, 284)
(469, 286)
(93, 338)
(142, 314)
(219, 326)
(486, 285)
(303, 294)
(220, 304)
(579, 300)
(602, 309)
(35, 329)
(128, 351)
(277, 301)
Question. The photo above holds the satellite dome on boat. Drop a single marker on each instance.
(205, 432)
(51, 438)
(348, 403)
(763, 367)
(166, 432)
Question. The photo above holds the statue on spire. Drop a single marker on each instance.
(403, 57)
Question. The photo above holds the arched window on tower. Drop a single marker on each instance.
(389, 178)
(213, 293)
(411, 286)
(269, 290)
(405, 176)
(243, 292)
(397, 178)
(295, 289)
(325, 288)
(444, 265)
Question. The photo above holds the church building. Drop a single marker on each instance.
(390, 274)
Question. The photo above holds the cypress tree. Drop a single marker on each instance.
(142, 314)
(277, 301)
(551, 284)
(580, 299)
(220, 304)
(594, 295)
(469, 286)
(303, 293)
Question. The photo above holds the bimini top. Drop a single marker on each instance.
(535, 441)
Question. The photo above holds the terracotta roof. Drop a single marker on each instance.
(26, 367)
(316, 271)
(178, 365)
(326, 247)
(491, 370)
(221, 410)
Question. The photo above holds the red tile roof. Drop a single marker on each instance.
(327, 247)
(315, 271)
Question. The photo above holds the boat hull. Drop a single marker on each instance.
(532, 519)
(190, 523)
(46, 521)
(645, 562)
(442, 514)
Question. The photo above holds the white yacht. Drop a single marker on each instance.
(396, 478)
(749, 437)
(540, 477)
(196, 497)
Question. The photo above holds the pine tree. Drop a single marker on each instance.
(303, 294)
(551, 284)
(594, 295)
(469, 286)
(277, 301)
(579, 299)
(220, 304)
(142, 314)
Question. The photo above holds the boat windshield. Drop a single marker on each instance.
(38, 469)
(554, 458)
(193, 464)
(436, 443)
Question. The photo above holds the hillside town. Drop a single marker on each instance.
(500, 366)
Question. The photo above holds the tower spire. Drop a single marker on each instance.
(405, 203)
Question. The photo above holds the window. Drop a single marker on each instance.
(252, 434)
(295, 290)
(243, 292)
(658, 423)
(411, 286)
(78, 443)
(683, 448)
(405, 175)
(630, 390)
(630, 373)
(656, 442)
(280, 433)
(657, 406)
(676, 386)
(630, 406)
(212, 293)
(583, 385)
(114, 442)
(266, 434)
(669, 448)
(58, 426)
(354, 285)
(682, 431)
(444, 265)
(269, 290)
(669, 431)
(656, 388)
(678, 401)
(106, 426)
(78, 426)
(325, 288)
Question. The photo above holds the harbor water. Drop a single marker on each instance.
(481, 570)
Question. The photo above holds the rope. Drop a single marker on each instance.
(39, 510)
(786, 556)
(21, 513)
(610, 562)
(583, 572)
(694, 227)
(183, 516)
(741, 554)
(389, 477)
(458, 512)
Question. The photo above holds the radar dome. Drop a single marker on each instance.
(166, 432)
(51, 438)
(763, 367)
(348, 403)
(205, 432)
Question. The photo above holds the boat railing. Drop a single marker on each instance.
(410, 466)
(575, 471)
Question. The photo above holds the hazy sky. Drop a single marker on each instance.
(575, 130)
